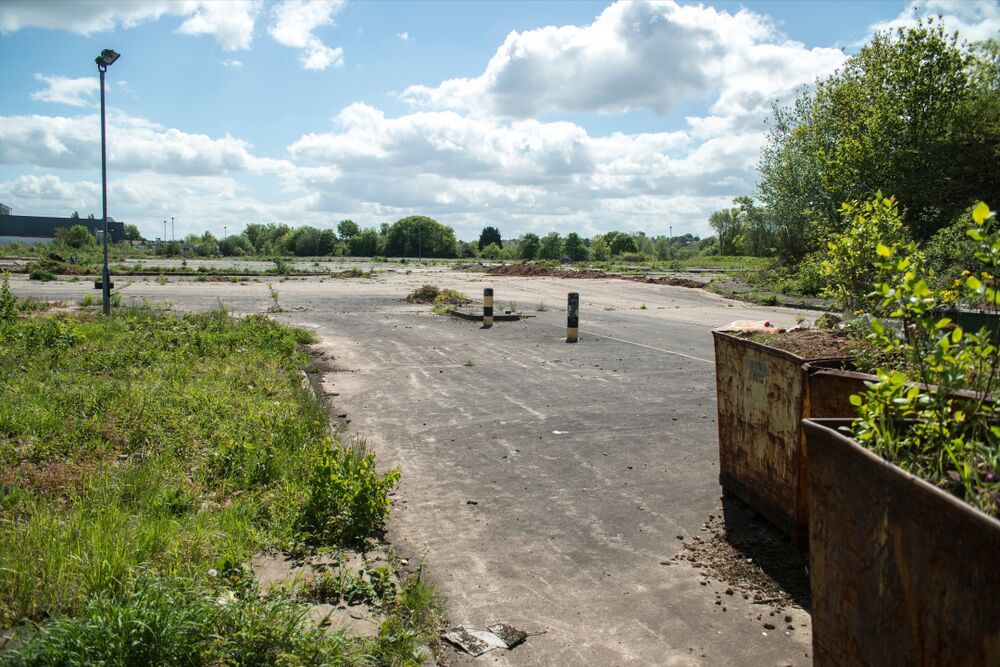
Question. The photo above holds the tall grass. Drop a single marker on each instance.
(142, 451)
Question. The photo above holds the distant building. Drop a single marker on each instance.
(37, 229)
(4, 209)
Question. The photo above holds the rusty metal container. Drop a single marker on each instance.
(901, 572)
(763, 394)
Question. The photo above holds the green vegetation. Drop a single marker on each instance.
(912, 416)
(437, 295)
(141, 453)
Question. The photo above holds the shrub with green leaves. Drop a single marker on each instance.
(851, 266)
(348, 500)
(937, 417)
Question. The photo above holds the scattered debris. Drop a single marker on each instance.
(476, 642)
(751, 326)
(751, 558)
(510, 635)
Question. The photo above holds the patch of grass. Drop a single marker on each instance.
(437, 295)
(142, 450)
(642, 306)
(172, 621)
(469, 362)
(440, 309)
(41, 274)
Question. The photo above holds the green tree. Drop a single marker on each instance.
(77, 236)
(132, 233)
(236, 245)
(914, 113)
(599, 248)
(347, 229)
(529, 246)
(492, 251)
(420, 236)
(327, 243)
(620, 243)
(728, 226)
(306, 242)
(552, 247)
(574, 248)
(755, 234)
(366, 243)
(490, 235)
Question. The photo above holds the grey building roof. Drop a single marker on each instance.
(45, 227)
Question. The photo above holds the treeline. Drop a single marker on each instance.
(635, 246)
(415, 236)
(915, 114)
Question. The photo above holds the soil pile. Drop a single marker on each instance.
(537, 270)
(807, 343)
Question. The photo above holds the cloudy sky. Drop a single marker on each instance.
(529, 116)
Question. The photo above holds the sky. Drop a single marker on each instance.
(527, 116)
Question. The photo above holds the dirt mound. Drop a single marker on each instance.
(807, 343)
(537, 270)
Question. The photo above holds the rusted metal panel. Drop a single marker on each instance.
(762, 398)
(901, 572)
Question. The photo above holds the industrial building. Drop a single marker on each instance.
(33, 229)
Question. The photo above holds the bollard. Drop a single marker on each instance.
(573, 318)
(487, 307)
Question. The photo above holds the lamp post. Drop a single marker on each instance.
(172, 236)
(225, 232)
(164, 231)
(107, 57)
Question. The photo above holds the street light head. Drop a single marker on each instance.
(107, 57)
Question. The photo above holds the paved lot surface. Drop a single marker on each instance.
(544, 484)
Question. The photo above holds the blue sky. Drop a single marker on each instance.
(529, 116)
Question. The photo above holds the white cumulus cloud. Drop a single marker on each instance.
(634, 55)
(294, 25)
(230, 23)
(134, 145)
(974, 20)
(63, 90)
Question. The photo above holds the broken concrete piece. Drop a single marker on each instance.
(472, 641)
(510, 635)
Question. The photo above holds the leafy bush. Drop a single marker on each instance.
(41, 274)
(851, 265)
(914, 417)
(437, 295)
(8, 303)
(348, 500)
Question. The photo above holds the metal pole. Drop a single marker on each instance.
(173, 237)
(105, 274)
(164, 231)
(573, 317)
(487, 307)
(420, 243)
(225, 232)
(670, 243)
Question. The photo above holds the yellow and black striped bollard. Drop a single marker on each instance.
(573, 318)
(487, 307)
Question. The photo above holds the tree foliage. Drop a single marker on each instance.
(529, 246)
(914, 113)
(420, 235)
(574, 248)
(490, 235)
